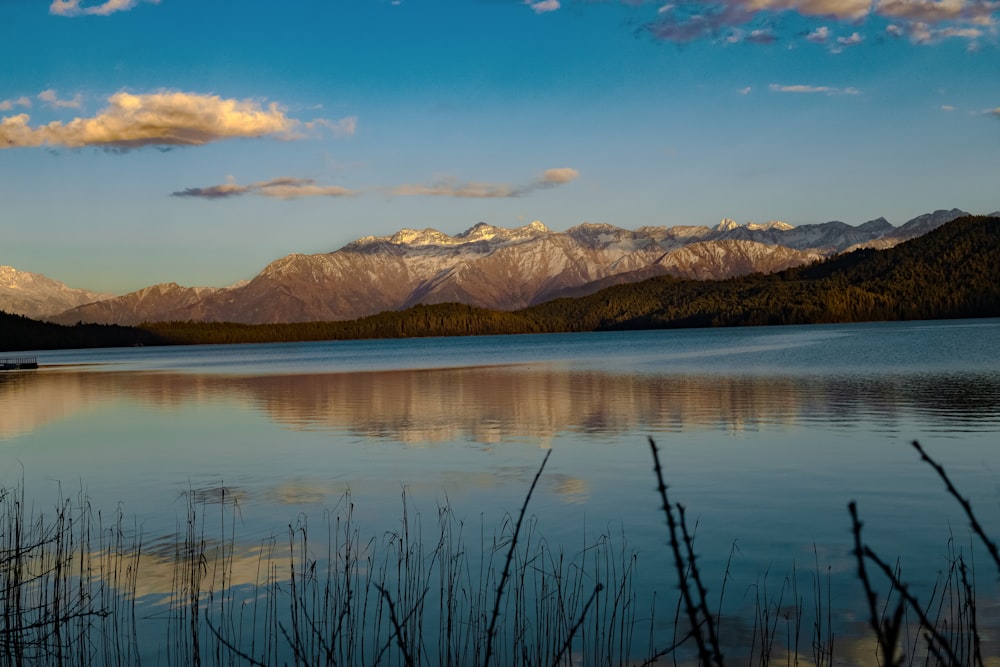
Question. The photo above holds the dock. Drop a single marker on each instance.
(18, 363)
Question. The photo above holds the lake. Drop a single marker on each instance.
(765, 435)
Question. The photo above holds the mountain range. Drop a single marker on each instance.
(485, 266)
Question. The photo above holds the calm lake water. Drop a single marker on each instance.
(765, 435)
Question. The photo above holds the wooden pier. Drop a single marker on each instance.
(18, 363)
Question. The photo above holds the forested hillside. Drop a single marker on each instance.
(951, 272)
(21, 333)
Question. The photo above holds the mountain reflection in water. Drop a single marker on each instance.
(490, 405)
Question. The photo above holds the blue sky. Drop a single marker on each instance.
(193, 141)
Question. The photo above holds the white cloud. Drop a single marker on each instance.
(745, 91)
(803, 89)
(74, 8)
(761, 37)
(285, 187)
(167, 118)
(819, 36)
(947, 107)
(544, 6)
(855, 38)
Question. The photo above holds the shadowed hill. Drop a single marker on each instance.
(21, 333)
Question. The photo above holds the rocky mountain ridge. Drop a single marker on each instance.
(494, 267)
(37, 296)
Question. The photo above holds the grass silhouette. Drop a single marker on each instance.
(72, 583)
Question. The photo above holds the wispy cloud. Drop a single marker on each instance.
(754, 21)
(550, 178)
(285, 187)
(168, 118)
(7, 105)
(52, 99)
(803, 89)
(451, 189)
(689, 21)
(76, 7)
(924, 33)
(992, 112)
(288, 187)
(345, 127)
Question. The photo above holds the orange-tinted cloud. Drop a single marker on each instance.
(169, 118)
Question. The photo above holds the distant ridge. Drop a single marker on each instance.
(495, 268)
(951, 272)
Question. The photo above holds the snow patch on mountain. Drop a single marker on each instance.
(38, 296)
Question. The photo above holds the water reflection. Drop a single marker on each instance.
(490, 405)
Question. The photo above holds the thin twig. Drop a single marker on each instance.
(576, 626)
(915, 604)
(400, 639)
(964, 502)
(506, 566)
(679, 561)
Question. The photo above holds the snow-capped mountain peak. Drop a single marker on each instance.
(478, 233)
(770, 224)
(37, 295)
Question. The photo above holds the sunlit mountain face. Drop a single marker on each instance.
(493, 267)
